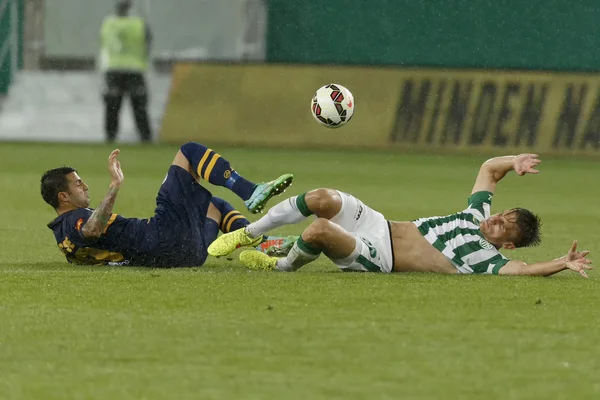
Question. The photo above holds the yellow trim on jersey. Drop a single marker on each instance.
(110, 221)
(202, 160)
(210, 167)
(90, 255)
(231, 221)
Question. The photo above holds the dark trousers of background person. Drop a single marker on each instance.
(119, 84)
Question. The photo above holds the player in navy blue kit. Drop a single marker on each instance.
(187, 217)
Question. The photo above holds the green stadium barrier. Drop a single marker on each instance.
(532, 34)
(447, 110)
(5, 36)
(11, 47)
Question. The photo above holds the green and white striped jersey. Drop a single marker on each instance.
(458, 237)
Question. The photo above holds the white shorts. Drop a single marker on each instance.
(372, 233)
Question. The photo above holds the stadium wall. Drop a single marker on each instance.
(396, 108)
(192, 29)
(533, 34)
(11, 41)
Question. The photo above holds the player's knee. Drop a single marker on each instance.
(182, 161)
(187, 148)
(324, 203)
(320, 231)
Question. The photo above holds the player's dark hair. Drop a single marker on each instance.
(53, 182)
(529, 226)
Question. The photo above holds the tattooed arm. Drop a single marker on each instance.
(95, 225)
(97, 222)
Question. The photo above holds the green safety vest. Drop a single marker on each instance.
(124, 44)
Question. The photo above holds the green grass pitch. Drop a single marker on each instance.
(221, 332)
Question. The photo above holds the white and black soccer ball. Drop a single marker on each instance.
(332, 105)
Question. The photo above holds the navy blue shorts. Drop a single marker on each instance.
(181, 208)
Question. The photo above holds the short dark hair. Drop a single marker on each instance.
(529, 226)
(53, 182)
(123, 6)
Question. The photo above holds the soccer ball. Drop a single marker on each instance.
(332, 105)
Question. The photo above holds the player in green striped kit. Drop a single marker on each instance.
(356, 237)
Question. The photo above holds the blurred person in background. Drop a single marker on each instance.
(125, 49)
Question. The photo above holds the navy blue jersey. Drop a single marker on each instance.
(173, 237)
(124, 240)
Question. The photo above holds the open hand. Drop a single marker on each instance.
(577, 261)
(114, 167)
(526, 163)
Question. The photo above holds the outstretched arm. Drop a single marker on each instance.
(574, 260)
(494, 169)
(95, 225)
